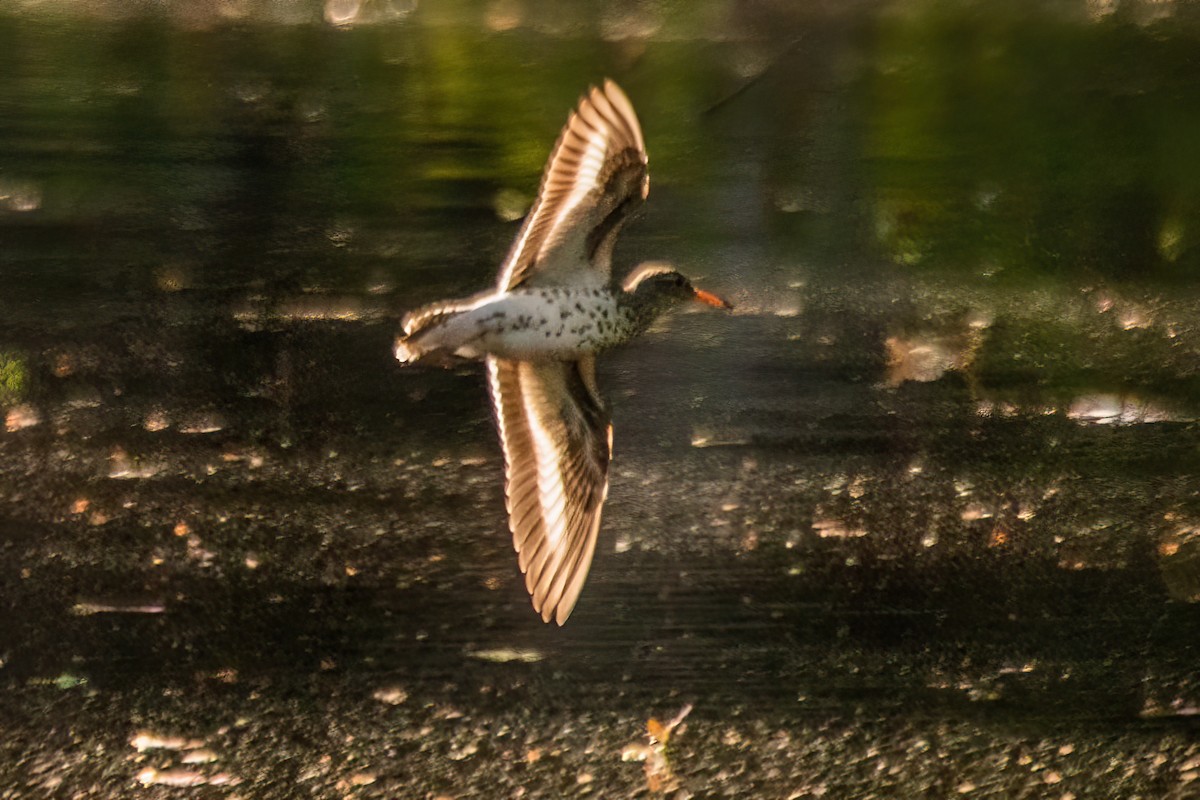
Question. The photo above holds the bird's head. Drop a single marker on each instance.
(660, 285)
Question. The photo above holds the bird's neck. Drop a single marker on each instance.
(640, 309)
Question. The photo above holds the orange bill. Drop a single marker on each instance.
(712, 300)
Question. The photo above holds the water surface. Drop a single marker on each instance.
(920, 517)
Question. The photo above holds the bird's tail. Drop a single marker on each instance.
(406, 350)
(421, 328)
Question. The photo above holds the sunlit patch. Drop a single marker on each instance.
(506, 655)
(1100, 9)
(184, 777)
(916, 360)
(510, 205)
(127, 467)
(326, 307)
(1104, 302)
(21, 417)
(1115, 409)
(975, 511)
(201, 756)
(20, 196)
(157, 420)
(251, 92)
(749, 541)
(172, 278)
(380, 283)
(655, 753)
(704, 437)
(145, 740)
(63, 681)
(392, 695)
(1130, 316)
(86, 608)
(622, 22)
(1176, 707)
(503, 15)
(832, 528)
(340, 235)
(345, 13)
(929, 355)
(198, 553)
(1133, 317)
(836, 483)
(988, 408)
(202, 422)
(63, 365)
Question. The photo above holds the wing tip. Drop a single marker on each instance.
(558, 613)
(603, 110)
(609, 94)
(620, 101)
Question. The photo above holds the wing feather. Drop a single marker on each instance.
(595, 177)
(554, 430)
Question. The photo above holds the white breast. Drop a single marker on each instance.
(533, 324)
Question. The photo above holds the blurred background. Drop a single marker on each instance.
(919, 518)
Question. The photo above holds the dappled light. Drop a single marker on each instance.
(917, 517)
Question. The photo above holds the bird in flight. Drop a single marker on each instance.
(554, 307)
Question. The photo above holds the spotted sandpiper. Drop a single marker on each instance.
(553, 309)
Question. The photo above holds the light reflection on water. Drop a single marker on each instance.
(942, 456)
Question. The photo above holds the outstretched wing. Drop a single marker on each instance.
(595, 178)
(556, 440)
